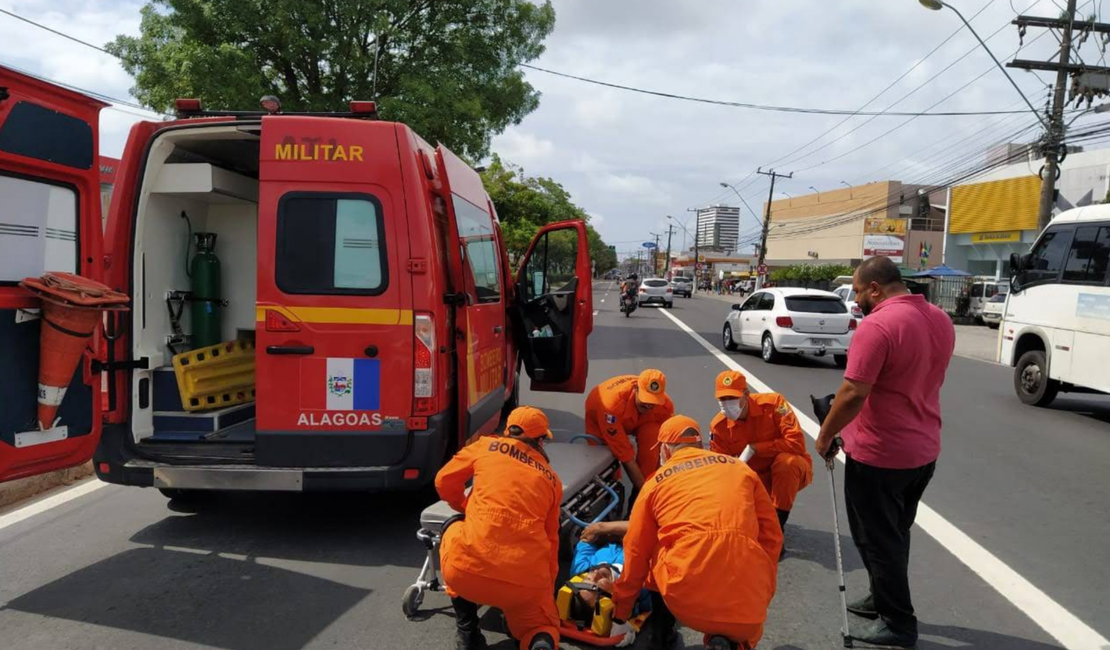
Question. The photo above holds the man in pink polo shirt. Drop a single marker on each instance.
(888, 413)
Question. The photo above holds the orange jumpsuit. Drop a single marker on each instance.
(611, 415)
(772, 429)
(705, 534)
(505, 554)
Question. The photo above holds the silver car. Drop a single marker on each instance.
(656, 291)
(682, 286)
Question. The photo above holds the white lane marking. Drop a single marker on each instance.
(61, 498)
(603, 300)
(1061, 624)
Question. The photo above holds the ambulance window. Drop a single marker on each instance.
(476, 235)
(37, 132)
(551, 266)
(38, 228)
(330, 244)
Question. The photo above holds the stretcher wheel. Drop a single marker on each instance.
(411, 601)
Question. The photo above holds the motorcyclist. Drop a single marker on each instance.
(629, 287)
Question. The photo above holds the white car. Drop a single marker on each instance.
(993, 310)
(791, 321)
(848, 295)
(682, 286)
(656, 291)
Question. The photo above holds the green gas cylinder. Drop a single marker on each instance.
(205, 274)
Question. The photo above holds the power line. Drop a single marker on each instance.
(86, 91)
(54, 31)
(758, 107)
(891, 85)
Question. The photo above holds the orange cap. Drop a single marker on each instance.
(677, 429)
(731, 384)
(653, 386)
(531, 422)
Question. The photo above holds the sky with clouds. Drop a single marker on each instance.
(631, 159)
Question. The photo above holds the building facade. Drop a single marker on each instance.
(718, 228)
(846, 226)
(996, 215)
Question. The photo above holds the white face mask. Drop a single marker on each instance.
(731, 408)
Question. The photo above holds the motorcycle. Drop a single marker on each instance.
(628, 304)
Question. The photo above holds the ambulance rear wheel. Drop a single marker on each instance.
(411, 601)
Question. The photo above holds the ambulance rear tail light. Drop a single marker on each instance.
(279, 322)
(423, 358)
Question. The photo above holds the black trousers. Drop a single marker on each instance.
(882, 504)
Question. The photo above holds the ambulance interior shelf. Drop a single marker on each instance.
(196, 181)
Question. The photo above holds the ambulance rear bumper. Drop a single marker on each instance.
(355, 470)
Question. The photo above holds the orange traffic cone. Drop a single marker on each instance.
(71, 309)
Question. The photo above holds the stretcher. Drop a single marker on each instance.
(592, 491)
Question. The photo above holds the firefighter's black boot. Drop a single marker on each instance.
(662, 624)
(783, 516)
(542, 641)
(467, 634)
(720, 643)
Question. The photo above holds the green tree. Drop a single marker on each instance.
(447, 68)
(525, 203)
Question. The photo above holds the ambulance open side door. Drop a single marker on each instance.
(49, 221)
(554, 308)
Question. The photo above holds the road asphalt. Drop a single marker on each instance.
(122, 568)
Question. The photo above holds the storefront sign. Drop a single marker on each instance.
(890, 246)
(996, 237)
(884, 226)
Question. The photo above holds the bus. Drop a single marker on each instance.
(1055, 330)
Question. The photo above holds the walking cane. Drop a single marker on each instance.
(821, 408)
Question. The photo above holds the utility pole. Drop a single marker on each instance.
(667, 261)
(1053, 144)
(697, 259)
(655, 255)
(767, 221)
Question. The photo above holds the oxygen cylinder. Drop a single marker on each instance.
(205, 274)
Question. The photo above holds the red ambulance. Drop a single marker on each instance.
(366, 267)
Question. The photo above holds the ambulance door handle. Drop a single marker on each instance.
(289, 349)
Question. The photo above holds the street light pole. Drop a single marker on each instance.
(741, 197)
(1054, 125)
(937, 5)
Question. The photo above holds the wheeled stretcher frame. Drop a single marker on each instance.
(592, 491)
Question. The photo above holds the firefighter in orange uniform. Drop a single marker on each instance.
(630, 405)
(704, 538)
(765, 422)
(503, 552)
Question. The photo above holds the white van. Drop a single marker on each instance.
(981, 292)
(1055, 331)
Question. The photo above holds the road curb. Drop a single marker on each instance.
(25, 488)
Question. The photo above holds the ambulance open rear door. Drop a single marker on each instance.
(554, 308)
(49, 221)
